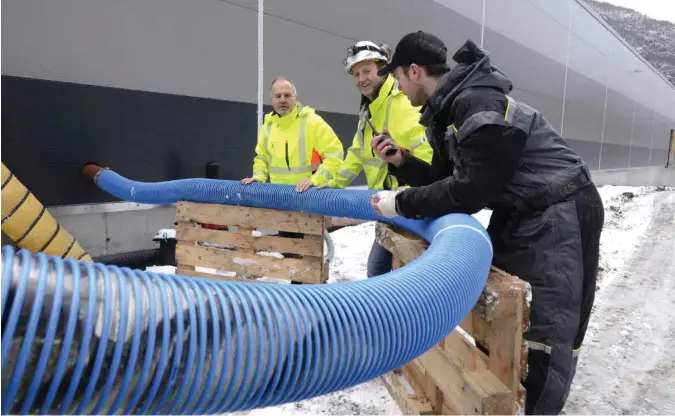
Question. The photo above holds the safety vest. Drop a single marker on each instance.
(296, 146)
(391, 111)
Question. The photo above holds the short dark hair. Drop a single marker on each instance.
(432, 70)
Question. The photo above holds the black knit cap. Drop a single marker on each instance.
(419, 48)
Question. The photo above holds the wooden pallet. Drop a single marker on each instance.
(478, 368)
(229, 250)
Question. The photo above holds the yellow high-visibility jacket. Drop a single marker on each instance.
(297, 146)
(391, 111)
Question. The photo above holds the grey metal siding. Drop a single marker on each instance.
(609, 104)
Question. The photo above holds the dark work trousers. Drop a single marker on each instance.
(557, 251)
(289, 234)
(379, 260)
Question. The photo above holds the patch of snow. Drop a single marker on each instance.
(214, 245)
(465, 335)
(352, 246)
(161, 269)
(271, 254)
(243, 262)
(165, 234)
(214, 271)
(627, 215)
(267, 279)
(369, 398)
(626, 363)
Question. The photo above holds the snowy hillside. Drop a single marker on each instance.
(653, 39)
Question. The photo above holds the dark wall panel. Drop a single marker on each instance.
(588, 150)
(614, 156)
(49, 129)
(639, 156)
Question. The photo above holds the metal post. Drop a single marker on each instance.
(567, 64)
(604, 112)
(632, 125)
(482, 26)
(261, 63)
(651, 146)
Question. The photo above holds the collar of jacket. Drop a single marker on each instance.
(283, 121)
(473, 69)
(386, 89)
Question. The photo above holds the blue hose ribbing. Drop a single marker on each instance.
(140, 342)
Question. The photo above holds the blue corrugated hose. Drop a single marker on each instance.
(83, 338)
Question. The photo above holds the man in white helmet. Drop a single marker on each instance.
(386, 109)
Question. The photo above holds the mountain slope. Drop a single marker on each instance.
(653, 39)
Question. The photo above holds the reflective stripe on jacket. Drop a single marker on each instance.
(297, 146)
(391, 111)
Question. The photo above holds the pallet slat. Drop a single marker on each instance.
(480, 392)
(456, 376)
(261, 218)
(310, 245)
(410, 404)
(306, 270)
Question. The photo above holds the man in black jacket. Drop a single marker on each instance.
(492, 151)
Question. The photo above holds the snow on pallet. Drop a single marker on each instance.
(222, 238)
(478, 368)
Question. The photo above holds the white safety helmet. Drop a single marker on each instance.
(365, 50)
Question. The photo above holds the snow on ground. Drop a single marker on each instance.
(627, 364)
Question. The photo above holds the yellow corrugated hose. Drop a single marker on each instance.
(28, 223)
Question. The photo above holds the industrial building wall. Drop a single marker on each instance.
(156, 88)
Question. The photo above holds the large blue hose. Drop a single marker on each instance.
(83, 338)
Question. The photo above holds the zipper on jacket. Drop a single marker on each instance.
(287, 162)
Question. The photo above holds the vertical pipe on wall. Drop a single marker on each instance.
(567, 64)
(651, 146)
(632, 123)
(604, 111)
(260, 63)
(482, 25)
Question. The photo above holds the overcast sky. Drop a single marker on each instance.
(657, 9)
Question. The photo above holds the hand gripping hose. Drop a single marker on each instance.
(79, 337)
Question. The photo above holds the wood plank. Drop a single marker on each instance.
(476, 392)
(402, 244)
(497, 321)
(501, 290)
(503, 338)
(306, 270)
(468, 356)
(264, 218)
(311, 245)
(447, 409)
(502, 294)
(506, 337)
(417, 377)
(410, 404)
(187, 270)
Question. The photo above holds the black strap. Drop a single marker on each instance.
(551, 198)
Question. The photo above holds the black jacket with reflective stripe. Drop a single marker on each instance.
(489, 149)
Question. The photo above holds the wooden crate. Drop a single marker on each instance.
(478, 368)
(229, 247)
